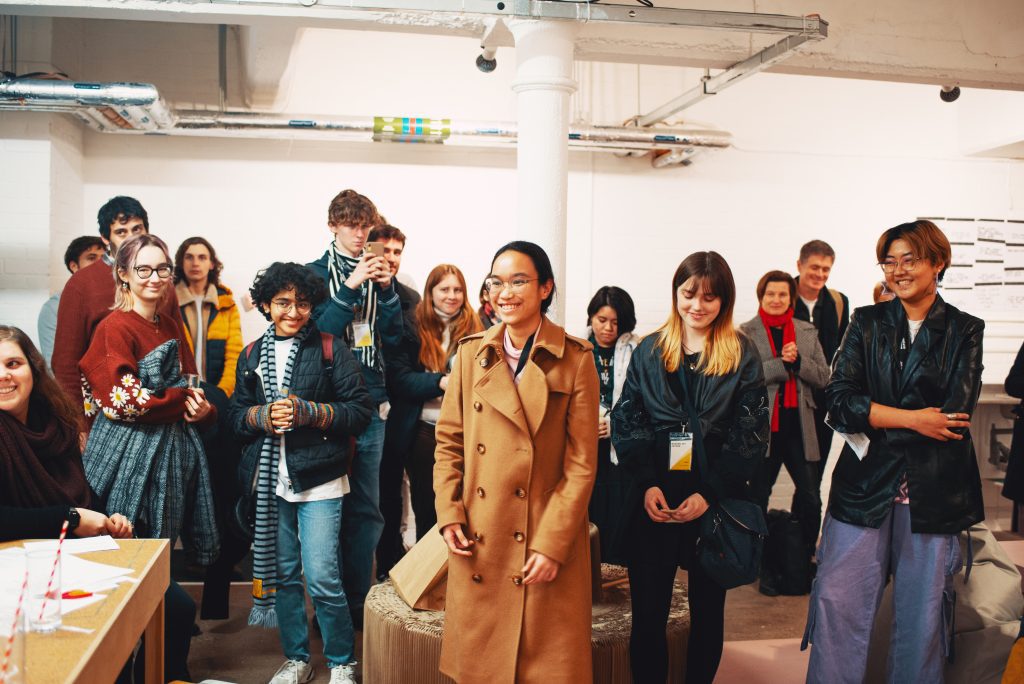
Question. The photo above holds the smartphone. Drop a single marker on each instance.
(375, 248)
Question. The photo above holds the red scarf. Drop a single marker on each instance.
(785, 321)
(40, 468)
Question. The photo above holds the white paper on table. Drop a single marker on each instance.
(77, 573)
(71, 605)
(72, 546)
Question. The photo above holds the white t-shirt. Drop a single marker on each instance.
(914, 327)
(809, 303)
(328, 490)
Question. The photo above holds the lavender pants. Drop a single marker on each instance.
(854, 563)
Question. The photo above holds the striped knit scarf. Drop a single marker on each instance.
(340, 267)
(264, 546)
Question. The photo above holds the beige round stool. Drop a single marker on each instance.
(403, 646)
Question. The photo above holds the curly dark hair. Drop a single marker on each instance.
(280, 276)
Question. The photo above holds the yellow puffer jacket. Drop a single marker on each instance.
(222, 329)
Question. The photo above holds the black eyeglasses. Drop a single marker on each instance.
(162, 271)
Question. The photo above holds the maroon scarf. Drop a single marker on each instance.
(785, 321)
(40, 468)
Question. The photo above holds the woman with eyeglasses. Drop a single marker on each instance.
(515, 463)
(417, 375)
(699, 355)
(299, 400)
(904, 384)
(144, 456)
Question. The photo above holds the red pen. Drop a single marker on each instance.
(76, 594)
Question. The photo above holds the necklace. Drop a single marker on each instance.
(690, 357)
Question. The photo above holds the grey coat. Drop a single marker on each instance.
(813, 374)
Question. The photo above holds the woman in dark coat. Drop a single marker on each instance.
(904, 383)
(726, 384)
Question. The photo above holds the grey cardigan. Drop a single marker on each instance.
(813, 374)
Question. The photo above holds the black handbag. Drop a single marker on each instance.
(732, 531)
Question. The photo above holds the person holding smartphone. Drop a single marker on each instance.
(654, 440)
(905, 382)
(611, 319)
(364, 310)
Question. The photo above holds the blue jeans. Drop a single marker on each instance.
(363, 522)
(307, 540)
(853, 565)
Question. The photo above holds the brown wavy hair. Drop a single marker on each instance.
(432, 355)
(45, 389)
(179, 260)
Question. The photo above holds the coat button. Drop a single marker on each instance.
(478, 537)
(477, 406)
(521, 493)
(519, 536)
(480, 448)
(517, 580)
(480, 492)
(483, 362)
(478, 579)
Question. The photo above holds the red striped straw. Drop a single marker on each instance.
(53, 570)
(14, 628)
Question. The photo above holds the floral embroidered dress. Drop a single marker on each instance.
(142, 457)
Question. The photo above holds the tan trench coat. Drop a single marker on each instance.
(516, 469)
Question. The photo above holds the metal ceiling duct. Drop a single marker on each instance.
(138, 108)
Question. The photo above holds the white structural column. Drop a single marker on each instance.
(543, 85)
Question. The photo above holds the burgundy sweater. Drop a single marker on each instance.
(109, 370)
(85, 301)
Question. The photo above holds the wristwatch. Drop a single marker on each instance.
(74, 518)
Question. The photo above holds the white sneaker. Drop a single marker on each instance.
(344, 674)
(293, 672)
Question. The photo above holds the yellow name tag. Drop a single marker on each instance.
(361, 335)
(680, 451)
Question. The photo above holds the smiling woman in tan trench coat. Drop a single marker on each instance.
(515, 464)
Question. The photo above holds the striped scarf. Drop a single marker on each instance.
(340, 267)
(264, 546)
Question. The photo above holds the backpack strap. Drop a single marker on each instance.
(837, 297)
(327, 348)
(248, 349)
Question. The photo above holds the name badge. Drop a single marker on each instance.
(680, 452)
(361, 335)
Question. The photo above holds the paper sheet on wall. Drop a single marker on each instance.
(1013, 266)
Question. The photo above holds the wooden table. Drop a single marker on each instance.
(117, 622)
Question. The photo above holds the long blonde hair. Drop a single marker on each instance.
(432, 355)
(722, 349)
(124, 260)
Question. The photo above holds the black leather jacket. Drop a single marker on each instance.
(942, 369)
(313, 456)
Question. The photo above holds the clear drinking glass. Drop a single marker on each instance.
(12, 618)
(282, 393)
(42, 602)
(191, 380)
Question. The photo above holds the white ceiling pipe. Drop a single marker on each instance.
(134, 101)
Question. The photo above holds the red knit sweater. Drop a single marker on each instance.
(85, 301)
(109, 370)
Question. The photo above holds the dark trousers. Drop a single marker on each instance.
(421, 478)
(650, 585)
(419, 464)
(825, 434)
(787, 448)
